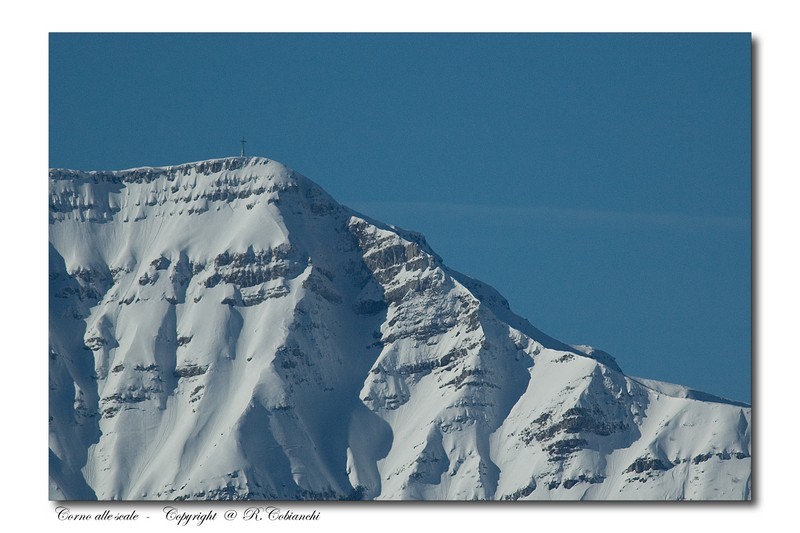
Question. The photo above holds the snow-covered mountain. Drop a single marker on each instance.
(226, 330)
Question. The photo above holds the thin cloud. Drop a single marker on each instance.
(603, 217)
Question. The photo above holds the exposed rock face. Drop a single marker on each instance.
(225, 330)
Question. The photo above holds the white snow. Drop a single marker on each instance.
(225, 330)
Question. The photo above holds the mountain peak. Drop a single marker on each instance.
(224, 329)
(185, 189)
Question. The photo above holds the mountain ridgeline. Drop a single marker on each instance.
(226, 330)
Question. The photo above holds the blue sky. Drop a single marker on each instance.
(601, 182)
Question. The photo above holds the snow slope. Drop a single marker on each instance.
(226, 330)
